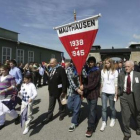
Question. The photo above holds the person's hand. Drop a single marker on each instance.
(2, 91)
(80, 92)
(115, 97)
(30, 100)
(48, 65)
(17, 85)
(81, 87)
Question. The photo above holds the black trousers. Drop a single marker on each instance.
(39, 79)
(52, 102)
(18, 100)
(128, 109)
(45, 79)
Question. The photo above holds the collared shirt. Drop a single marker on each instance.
(119, 70)
(74, 82)
(125, 81)
(41, 71)
(16, 73)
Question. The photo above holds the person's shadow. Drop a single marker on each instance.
(85, 112)
(35, 110)
(37, 125)
(37, 101)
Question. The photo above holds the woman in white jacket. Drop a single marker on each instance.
(109, 83)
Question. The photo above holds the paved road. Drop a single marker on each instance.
(58, 130)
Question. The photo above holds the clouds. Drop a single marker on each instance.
(136, 36)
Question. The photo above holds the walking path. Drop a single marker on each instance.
(58, 130)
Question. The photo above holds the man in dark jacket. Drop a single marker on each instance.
(91, 92)
(57, 85)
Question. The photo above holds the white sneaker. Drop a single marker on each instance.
(103, 126)
(112, 122)
(72, 127)
(25, 131)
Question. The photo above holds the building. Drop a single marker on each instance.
(12, 48)
(130, 53)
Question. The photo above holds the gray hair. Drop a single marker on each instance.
(53, 59)
(131, 62)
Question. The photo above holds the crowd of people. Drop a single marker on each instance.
(108, 80)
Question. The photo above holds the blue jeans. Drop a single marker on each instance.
(74, 104)
(104, 98)
(92, 105)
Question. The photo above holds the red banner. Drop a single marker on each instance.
(78, 38)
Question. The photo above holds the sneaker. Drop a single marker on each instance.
(89, 133)
(112, 122)
(103, 126)
(72, 127)
(61, 118)
(25, 131)
(126, 137)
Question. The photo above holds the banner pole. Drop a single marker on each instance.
(80, 79)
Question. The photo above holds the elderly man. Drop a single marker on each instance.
(129, 92)
(57, 85)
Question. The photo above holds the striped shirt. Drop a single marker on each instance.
(74, 81)
(7, 82)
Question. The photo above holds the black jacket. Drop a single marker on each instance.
(58, 83)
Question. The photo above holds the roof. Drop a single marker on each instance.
(18, 42)
(8, 39)
(9, 30)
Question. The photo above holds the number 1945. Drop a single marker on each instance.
(78, 53)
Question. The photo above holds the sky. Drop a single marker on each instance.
(119, 25)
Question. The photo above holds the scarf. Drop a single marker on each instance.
(92, 69)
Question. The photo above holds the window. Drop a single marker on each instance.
(6, 54)
(20, 56)
(53, 56)
(30, 56)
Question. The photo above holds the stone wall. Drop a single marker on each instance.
(135, 56)
(96, 55)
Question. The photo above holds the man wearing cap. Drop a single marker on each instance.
(91, 92)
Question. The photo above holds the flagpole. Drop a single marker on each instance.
(80, 76)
